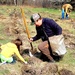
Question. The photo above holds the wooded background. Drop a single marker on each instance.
(39, 3)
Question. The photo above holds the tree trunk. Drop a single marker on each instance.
(15, 2)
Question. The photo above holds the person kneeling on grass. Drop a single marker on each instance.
(9, 49)
(45, 28)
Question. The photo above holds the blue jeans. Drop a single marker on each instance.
(67, 16)
(63, 13)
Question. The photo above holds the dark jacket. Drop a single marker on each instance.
(50, 27)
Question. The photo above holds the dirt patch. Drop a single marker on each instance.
(65, 72)
(69, 39)
(42, 68)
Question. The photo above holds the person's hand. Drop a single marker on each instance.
(31, 40)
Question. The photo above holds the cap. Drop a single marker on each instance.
(35, 17)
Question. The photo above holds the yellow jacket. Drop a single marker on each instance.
(66, 8)
(9, 49)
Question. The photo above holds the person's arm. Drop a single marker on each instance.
(3, 46)
(68, 7)
(67, 10)
(20, 57)
(36, 38)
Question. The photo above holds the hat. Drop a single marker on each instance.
(35, 17)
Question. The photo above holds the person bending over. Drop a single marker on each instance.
(9, 49)
(66, 9)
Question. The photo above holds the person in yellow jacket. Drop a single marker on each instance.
(66, 9)
(9, 49)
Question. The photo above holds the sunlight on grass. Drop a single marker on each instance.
(67, 24)
(68, 61)
(68, 58)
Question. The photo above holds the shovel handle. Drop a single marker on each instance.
(25, 23)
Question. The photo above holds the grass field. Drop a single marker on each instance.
(68, 61)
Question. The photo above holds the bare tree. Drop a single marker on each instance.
(15, 2)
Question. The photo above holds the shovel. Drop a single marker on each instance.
(27, 31)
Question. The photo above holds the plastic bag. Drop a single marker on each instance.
(57, 45)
